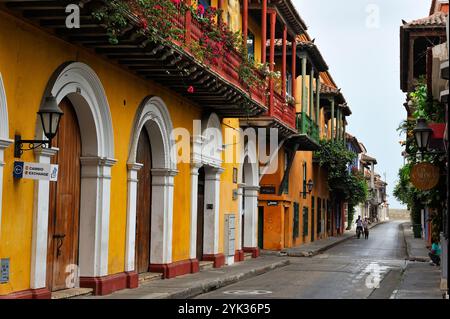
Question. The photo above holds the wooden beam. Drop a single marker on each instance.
(263, 30)
(283, 63)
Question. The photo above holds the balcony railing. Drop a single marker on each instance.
(283, 111)
(305, 125)
(227, 67)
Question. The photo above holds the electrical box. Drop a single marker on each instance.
(4, 270)
(230, 231)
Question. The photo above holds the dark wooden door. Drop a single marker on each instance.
(200, 212)
(64, 205)
(286, 227)
(312, 219)
(261, 227)
(144, 204)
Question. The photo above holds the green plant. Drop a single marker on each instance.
(350, 186)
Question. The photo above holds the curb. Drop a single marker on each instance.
(408, 249)
(331, 245)
(220, 283)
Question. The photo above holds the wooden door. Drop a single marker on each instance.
(64, 205)
(243, 220)
(200, 212)
(312, 219)
(144, 204)
(286, 227)
(261, 227)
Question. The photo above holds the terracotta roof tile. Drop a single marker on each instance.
(438, 19)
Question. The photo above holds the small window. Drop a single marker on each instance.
(296, 225)
(289, 84)
(305, 221)
(251, 45)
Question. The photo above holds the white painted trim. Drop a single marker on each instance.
(4, 127)
(79, 83)
(153, 116)
(193, 211)
(40, 223)
(211, 218)
(4, 140)
(249, 169)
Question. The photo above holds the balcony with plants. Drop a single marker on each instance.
(187, 48)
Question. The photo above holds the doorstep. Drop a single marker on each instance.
(205, 265)
(149, 276)
(71, 292)
(248, 256)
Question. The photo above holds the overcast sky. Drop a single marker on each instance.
(359, 40)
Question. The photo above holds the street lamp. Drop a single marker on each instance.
(422, 134)
(50, 116)
(308, 189)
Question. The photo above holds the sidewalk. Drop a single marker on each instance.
(318, 246)
(420, 280)
(415, 247)
(192, 285)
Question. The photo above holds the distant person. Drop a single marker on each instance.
(435, 253)
(366, 228)
(359, 226)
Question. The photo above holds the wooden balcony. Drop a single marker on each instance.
(217, 86)
(283, 111)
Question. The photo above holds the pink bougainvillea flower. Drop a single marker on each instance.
(201, 9)
(144, 23)
(176, 2)
(190, 89)
(158, 7)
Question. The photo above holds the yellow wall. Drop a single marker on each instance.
(28, 57)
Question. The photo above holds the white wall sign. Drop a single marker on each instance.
(48, 172)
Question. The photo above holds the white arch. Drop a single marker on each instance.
(80, 84)
(207, 148)
(4, 140)
(153, 116)
(249, 183)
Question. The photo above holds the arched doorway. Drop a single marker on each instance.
(76, 86)
(64, 212)
(150, 189)
(144, 204)
(249, 205)
(200, 213)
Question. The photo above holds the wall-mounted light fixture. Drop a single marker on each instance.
(50, 115)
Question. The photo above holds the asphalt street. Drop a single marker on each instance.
(354, 269)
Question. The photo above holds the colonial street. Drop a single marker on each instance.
(351, 269)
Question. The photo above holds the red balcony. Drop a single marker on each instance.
(283, 111)
(216, 86)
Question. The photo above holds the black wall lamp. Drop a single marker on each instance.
(50, 115)
(422, 134)
(307, 188)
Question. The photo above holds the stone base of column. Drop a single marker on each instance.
(218, 259)
(41, 293)
(254, 250)
(239, 255)
(106, 285)
(132, 279)
(175, 269)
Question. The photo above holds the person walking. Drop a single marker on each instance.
(359, 227)
(366, 228)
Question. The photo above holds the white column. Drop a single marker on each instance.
(211, 219)
(194, 191)
(94, 215)
(372, 176)
(162, 215)
(132, 182)
(251, 217)
(240, 195)
(40, 223)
